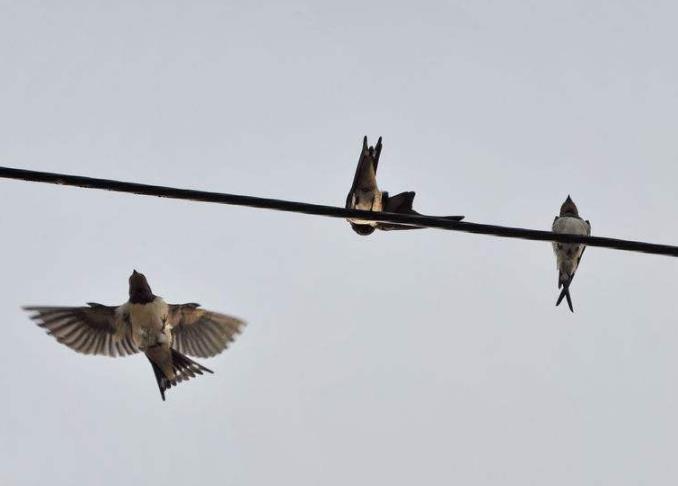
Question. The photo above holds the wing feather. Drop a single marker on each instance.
(201, 333)
(96, 329)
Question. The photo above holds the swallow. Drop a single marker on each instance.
(164, 332)
(568, 255)
(366, 195)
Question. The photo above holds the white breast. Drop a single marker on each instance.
(151, 316)
(366, 201)
(568, 254)
(567, 224)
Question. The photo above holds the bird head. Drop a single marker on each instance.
(139, 290)
(362, 229)
(569, 208)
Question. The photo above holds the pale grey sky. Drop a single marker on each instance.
(423, 357)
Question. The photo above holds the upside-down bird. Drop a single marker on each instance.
(164, 332)
(366, 195)
(568, 255)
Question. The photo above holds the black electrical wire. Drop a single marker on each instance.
(334, 212)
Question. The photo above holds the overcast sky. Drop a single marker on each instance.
(421, 357)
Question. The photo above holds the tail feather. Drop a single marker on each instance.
(565, 292)
(160, 378)
(569, 299)
(184, 369)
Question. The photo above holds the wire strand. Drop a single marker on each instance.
(334, 212)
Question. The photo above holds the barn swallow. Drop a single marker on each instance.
(366, 195)
(146, 323)
(568, 255)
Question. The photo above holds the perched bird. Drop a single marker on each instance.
(568, 255)
(146, 323)
(366, 195)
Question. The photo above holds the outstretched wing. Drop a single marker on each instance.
(201, 333)
(97, 329)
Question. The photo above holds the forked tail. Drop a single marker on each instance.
(184, 369)
(565, 292)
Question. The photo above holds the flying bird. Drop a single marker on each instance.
(568, 255)
(164, 332)
(366, 195)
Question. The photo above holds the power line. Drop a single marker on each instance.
(334, 212)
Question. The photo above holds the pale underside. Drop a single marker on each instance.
(130, 328)
(569, 254)
(367, 200)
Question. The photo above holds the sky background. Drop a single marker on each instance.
(420, 357)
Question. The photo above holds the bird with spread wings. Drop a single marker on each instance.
(166, 333)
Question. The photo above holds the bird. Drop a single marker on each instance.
(366, 195)
(568, 255)
(164, 332)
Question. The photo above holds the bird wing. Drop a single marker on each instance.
(400, 203)
(201, 333)
(588, 233)
(97, 329)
